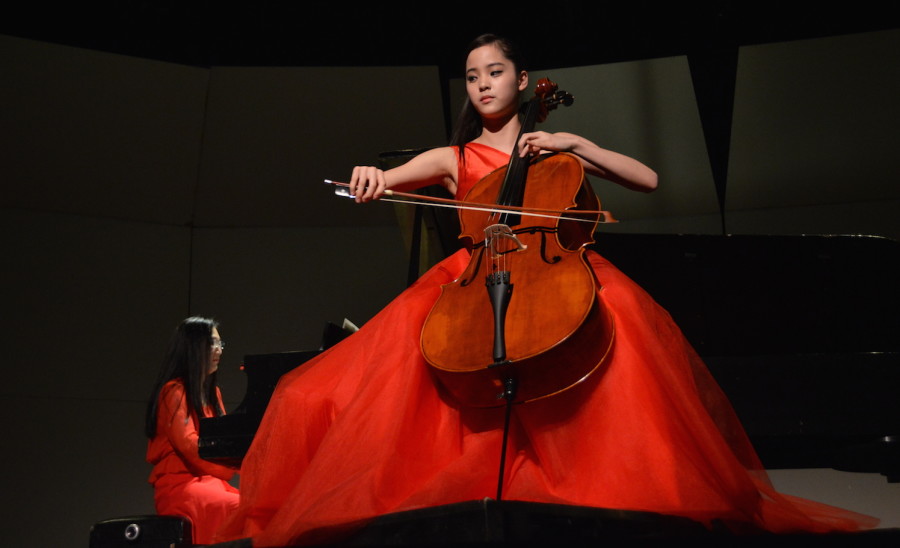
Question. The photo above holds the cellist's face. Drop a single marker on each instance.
(493, 83)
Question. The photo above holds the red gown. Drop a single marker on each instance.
(183, 483)
(362, 431)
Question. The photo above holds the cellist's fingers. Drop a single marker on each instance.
(366, 183)
(376, 185)
(533, 143)
(356, 183)
(523, 146)
(382, 185)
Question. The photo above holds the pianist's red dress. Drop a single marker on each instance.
(362, 431)
(183, 483)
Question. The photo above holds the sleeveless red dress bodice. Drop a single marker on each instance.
(477, 161)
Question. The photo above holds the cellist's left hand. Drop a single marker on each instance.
(597, 161)
(539, 141)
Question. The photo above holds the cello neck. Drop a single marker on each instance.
(512, 191)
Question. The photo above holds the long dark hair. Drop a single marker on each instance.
(187, 358)
(468, 123)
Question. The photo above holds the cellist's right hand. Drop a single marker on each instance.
(366, 183)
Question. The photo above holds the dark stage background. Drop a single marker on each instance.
(161, 159)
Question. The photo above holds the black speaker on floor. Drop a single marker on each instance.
(148, 531)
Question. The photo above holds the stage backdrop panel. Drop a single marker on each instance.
(99, 134)
(815, 137)
(273, 135)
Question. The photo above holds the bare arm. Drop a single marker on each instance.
(603, 163)
(435, 166)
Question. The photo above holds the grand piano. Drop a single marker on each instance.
(801, 332)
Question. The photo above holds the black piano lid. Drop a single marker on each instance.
(754, 295)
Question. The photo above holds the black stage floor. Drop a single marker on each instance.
(489, 523)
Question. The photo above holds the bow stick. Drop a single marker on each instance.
(406, 197)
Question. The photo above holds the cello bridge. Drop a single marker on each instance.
(498, 234)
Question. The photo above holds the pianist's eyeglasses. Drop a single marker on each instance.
(218, 343)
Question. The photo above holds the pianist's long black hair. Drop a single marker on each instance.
(187, 358)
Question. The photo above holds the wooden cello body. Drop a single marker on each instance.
(525, 310)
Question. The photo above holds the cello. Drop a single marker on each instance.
(539, 328)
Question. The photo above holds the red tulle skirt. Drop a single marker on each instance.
(362, 431)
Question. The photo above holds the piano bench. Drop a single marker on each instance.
(143, 531)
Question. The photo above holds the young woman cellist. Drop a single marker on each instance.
(365, 429)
